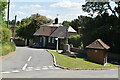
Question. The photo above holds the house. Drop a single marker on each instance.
(96, 51)
(47, 33)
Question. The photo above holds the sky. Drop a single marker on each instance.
(67, 9)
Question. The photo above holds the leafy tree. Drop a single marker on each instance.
(2, 11)
(104, 25)
(66, 23)
(30, 25)
(101, 8)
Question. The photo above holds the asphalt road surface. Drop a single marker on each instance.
(38, 63)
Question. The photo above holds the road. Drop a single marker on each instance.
(38, 63)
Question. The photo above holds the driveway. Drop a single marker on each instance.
(38, 63)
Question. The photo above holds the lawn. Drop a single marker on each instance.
(80, 63)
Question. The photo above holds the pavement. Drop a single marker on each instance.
(38, 63)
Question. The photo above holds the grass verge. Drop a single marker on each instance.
(80, 63)
(6, 47)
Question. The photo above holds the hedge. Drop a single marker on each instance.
(7, 47)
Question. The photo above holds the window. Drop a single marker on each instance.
(49, 39)
(52, 40)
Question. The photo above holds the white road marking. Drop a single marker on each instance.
(45, 68)
(5, 72)
(24, 67)
(37, 69)
(29, 58)
(28, 70)
(50, 66)
(16, 71)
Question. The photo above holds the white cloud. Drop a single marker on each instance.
(20, 13)
(72, 9)
(67, 4)
(43, 11)
(30, 6)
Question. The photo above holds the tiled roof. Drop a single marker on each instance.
(37, 33)
(98, 44)
(61, 31)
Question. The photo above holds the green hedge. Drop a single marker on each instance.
(7, 47)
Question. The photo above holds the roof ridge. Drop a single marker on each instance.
(102, 43)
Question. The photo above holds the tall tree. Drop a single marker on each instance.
(66, 23)
(101, 7)
(105, 26)
(30, 25)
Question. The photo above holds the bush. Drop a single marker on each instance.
(7, 47)
(5, 34)
(76, 40)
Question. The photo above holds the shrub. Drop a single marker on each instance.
(76, 40)
(7, 47)
(5, 34)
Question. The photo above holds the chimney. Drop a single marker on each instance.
(56, 21)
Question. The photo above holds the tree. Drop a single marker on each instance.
(30, 25)
(2, 11)
(66, 23)
(101, 8)
(105, 26)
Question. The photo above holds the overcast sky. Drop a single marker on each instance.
(67, 9)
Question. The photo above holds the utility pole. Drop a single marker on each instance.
(14, 29)
(8, 13)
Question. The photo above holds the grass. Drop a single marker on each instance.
(70, 62)
(6, 47)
